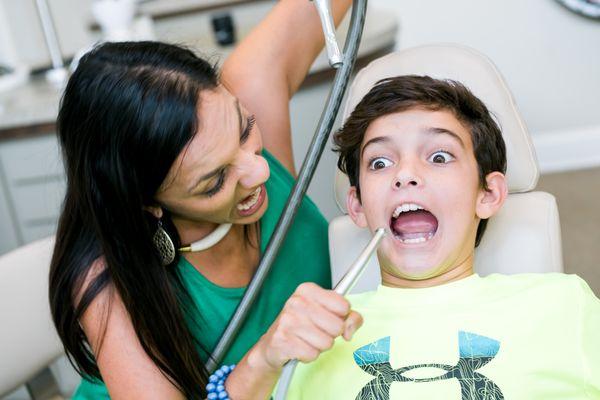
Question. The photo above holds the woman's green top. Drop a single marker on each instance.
(303, 257)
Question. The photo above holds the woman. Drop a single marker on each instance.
(159, 154)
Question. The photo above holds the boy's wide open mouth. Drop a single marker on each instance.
(411, 223)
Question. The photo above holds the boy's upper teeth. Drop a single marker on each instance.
(404, 207)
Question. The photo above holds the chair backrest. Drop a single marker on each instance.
(525, 235)
(28, 340)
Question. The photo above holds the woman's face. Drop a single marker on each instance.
(219, 176)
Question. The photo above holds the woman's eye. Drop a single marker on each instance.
(441, 157)
(217, 186)
(250, 121)
(379, 163)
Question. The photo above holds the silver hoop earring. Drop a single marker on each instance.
(164, 245)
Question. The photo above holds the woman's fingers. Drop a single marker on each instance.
(303, 351)
(318, 315)
(332, 301)
(309, 323)
(314, 337)
(351, 324)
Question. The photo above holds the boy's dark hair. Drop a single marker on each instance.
(401, 93)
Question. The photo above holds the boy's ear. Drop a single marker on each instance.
(355, 208)
(491, 200)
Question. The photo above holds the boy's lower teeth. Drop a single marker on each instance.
(419, 239)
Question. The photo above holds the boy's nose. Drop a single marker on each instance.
(408, 182)
(405, 180)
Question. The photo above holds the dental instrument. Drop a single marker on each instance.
(331, 44)
(343, 287)
(334, 100)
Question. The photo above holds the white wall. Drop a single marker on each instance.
(70, 19)
(549, 56)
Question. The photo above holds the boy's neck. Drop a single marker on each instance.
(456, 273)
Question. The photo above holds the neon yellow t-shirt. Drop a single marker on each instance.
(530, 336)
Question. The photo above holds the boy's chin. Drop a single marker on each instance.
(413, 271)
(413, 274)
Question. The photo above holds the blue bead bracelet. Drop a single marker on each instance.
(216, 383)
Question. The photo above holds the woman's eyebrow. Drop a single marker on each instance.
(239, 113)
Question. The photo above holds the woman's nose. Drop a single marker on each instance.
(254, 171)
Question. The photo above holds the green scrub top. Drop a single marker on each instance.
(303, 257)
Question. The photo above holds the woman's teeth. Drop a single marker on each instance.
(251, 202)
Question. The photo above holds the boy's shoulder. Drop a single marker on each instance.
(552, 287)
(552, 282)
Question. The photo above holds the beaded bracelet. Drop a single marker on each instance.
(216, 383)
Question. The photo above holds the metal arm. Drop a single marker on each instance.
(306, 173)
(331, 44)
(343, 287)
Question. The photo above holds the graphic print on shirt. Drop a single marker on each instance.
(475, 351)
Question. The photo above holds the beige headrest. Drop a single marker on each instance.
(475, 71)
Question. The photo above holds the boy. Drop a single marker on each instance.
(426, 161)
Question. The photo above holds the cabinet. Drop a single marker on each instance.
(8, 236)
(32, 186)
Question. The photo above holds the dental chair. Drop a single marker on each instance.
(28, 339)
(525, 235)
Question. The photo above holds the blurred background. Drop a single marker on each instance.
(548, 51)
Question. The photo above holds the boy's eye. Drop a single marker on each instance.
(441, 157)
(379, 163)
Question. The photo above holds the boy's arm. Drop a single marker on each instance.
(268, 66)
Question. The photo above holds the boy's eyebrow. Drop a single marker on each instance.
(430, 130)
(444, 131)
(378, 139)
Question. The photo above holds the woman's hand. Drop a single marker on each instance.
(310, 321)
(308, 325)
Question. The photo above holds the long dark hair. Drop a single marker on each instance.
(128, 111)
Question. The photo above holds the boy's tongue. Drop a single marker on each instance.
(414, 224)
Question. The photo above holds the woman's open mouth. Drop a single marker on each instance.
(253, 202)
(411, 223)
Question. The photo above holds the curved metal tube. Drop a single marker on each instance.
(344, 287)
(306, 173)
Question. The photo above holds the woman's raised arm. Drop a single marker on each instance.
(269, 65)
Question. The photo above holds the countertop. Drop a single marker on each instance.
(32, 108)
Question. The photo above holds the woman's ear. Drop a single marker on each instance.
(154, 210)
(355, 208)
(491, 200)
